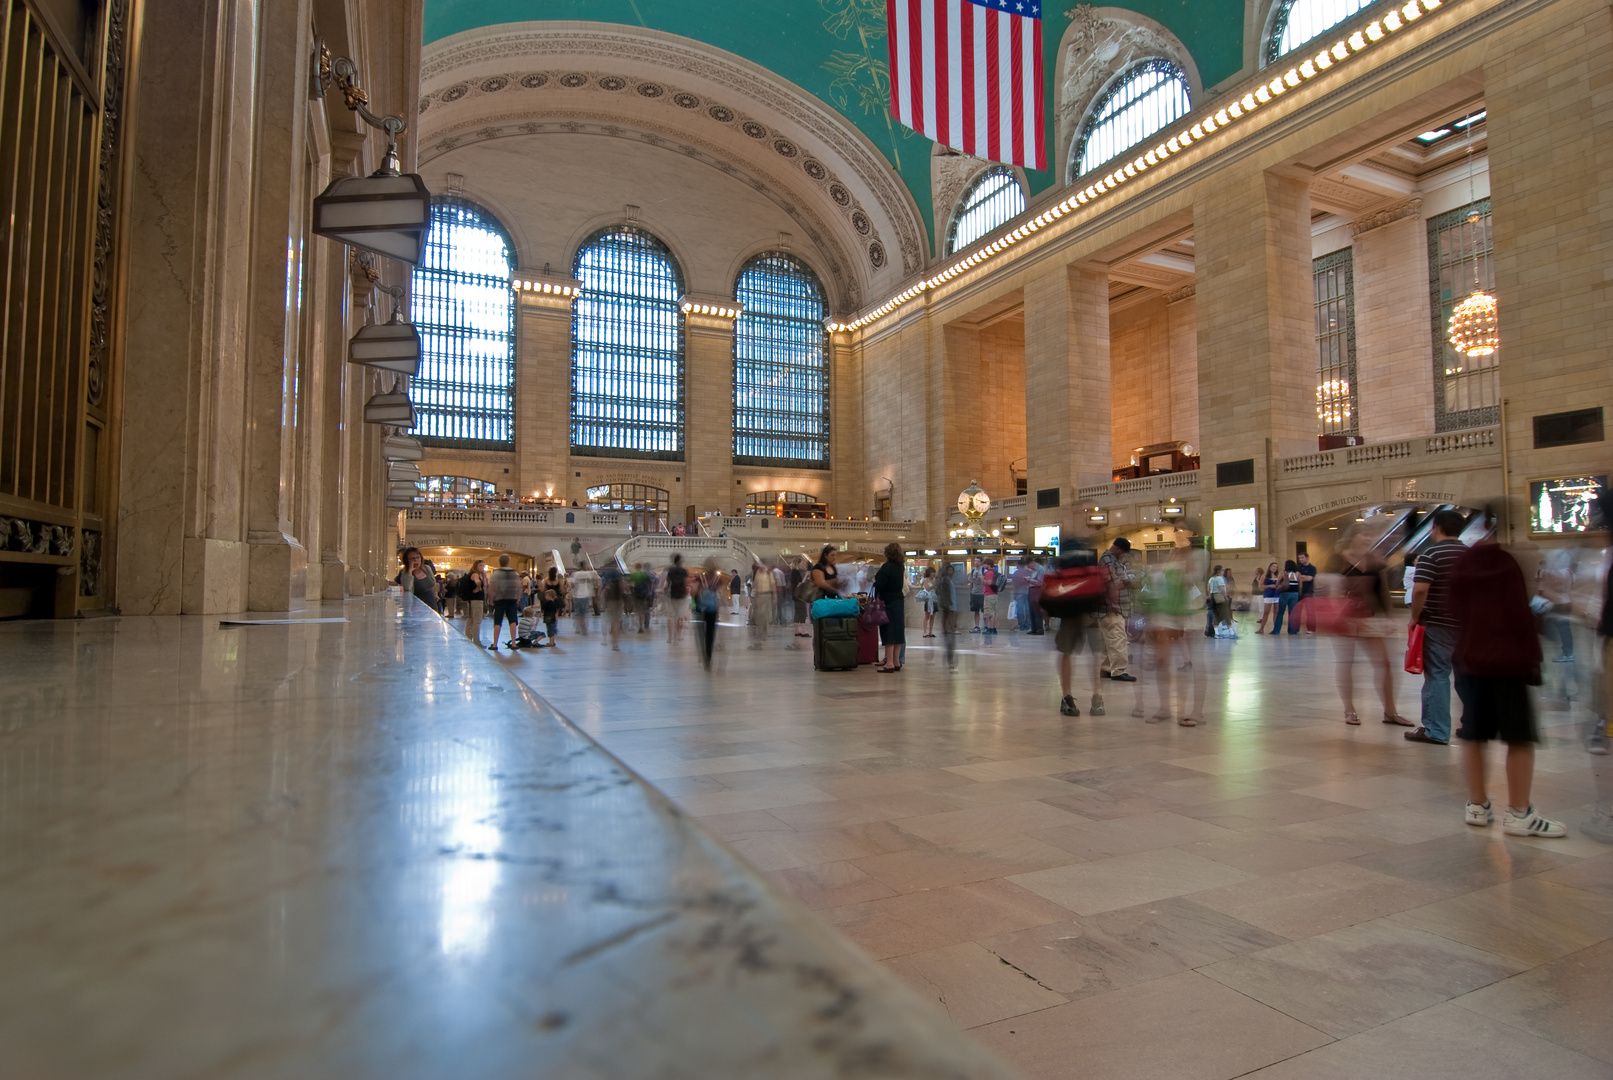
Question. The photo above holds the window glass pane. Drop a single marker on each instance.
(1145, 100)
(465, 312)
(781, 365)
(992, 201)
(1334, 288)
(1460, 250)
(1298, 21)
(627, 348)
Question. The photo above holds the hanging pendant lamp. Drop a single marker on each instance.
(1474, 329)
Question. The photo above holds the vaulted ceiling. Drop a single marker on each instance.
(835, 51)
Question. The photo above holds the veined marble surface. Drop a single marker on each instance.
(363, 850)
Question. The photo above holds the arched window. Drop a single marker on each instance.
(991, 201)
(781, 365)
(627, 348)
(1298, 21)
(1147, 98)
(465, 312)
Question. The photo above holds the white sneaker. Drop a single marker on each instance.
(1530, 823)
(1480, 815)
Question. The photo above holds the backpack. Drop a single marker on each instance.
(1077, 585)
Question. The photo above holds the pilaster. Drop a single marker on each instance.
(1393, 341)
(847, 489)
(1067, 387)
(1256, 336)
(543, 384)
(708, 402)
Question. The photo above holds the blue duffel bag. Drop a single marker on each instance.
(834, 608)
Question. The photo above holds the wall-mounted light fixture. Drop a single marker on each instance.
(387, 212)
(402, 470)
(393, 345)
(1098, 516)
(391, 407)
(402, 448)
(1171, 510)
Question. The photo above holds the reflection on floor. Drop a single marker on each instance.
(1272, 893)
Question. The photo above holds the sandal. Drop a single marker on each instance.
(1352, 719)
(1396, 718)
(1187, 721)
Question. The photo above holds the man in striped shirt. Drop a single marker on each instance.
(1431, 606)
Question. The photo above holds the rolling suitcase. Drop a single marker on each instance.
(834, 643)
(867, 643)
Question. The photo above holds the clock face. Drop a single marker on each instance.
(965, 503)
(982, 503)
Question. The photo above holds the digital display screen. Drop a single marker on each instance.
(597, 493)
(1236, 530)
(1566, 505)
(1047, 536)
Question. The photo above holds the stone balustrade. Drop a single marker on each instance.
(1475, 442)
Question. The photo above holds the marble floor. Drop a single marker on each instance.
(1270, 894)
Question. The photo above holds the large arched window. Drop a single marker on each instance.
(1297, 21)
(1147, 98)
(627, 348)
(465, 312)
(781, 365)
(991, 201)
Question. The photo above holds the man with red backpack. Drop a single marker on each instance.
(1074, 591)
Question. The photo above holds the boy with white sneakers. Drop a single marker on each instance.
(1496, 660)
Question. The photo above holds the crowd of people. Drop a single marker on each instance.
(1480, 625)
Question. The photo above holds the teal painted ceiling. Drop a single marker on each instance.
(835, 49)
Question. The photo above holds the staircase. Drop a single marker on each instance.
(657, 550)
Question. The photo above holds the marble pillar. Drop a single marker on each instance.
(1067, 388)
(708, 406)
(847, 487)
(1393, 338)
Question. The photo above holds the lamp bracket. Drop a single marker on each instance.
(344, 74)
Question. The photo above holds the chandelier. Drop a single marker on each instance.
(1474, 330)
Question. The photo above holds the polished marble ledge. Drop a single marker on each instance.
(361, 849)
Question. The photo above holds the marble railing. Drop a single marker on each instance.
(350, 844)
(1143, 485)
(758, 524)
(513, 516)
(1475, 442)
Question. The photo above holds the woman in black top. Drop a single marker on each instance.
(824, 574)
(890, 582)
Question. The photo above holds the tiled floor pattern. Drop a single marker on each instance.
(1272, 894)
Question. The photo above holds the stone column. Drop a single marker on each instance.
(1067, 403)
(848, 468)
(1550, 175)
(1393, 341)
(708, 403)
(543, 385)
(1256, 336)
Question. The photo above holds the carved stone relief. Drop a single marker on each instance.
(1097, 47)
(950, 176)
(650, 49)
(1409, 208)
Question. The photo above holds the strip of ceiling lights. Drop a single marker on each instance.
(1230, 116)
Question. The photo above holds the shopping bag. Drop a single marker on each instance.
(1414, 650)
(1013, 611)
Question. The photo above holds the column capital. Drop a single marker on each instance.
(540, 292)
(710, 312)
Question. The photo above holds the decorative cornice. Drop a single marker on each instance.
(629, 48)
(1186, 292)
(1412, 207)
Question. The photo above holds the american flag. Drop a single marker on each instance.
(968, 74)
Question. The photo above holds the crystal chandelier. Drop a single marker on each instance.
(1474, 330)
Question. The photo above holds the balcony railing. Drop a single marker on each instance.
(1472, 443)
(1143, 485)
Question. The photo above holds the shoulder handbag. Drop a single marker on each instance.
(875, 614)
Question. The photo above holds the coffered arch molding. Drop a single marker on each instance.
(656, 84)
(1098, 46)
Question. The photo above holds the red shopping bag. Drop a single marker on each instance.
(1414, 650)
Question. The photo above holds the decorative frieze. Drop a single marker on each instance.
(1412, 207)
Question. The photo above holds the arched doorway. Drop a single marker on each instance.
(786, 504)
(644, 506)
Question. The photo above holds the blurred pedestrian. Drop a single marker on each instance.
(473, 591)
(504, 590)
(890, 589)
(1120, 584)
(1359, 578)
(763, 594)
(1431, 609)
(1496, 657)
